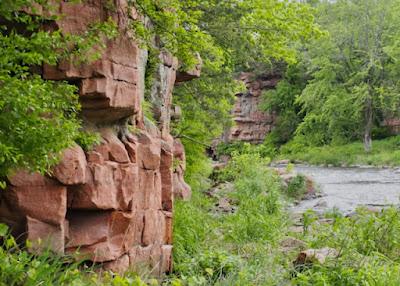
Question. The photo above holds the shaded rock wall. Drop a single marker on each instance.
(250, 123)
(112, 204)
(393, 125)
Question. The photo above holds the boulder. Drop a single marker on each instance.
(166, 172)
(311, 256)
(102, 236)
(110, 186)
(72, 168)
(149, 152)
(44, 236)
(120, 266)
(154, 227)
(29, 197)
(116, 148)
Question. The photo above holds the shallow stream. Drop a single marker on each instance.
(348, 188)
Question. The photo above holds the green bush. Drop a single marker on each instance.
(297, 187)
(226, 249)
(18, 267)
(384, 152)
(369, 250)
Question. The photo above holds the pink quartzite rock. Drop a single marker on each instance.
(43, 236)
(35, 206)
(149, 152)
(166, 259)
(117, 151)
(120, 266)
(113, 204)
(72, 168)
(252, 124)
(30, 197)
(109, 186)
(166, 165)
(139, 256)
(150, 186)
(131, 148)
(168, 227)
(102, 236)
(180, 188)
(154, 227)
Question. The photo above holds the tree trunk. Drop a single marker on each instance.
(368, 126)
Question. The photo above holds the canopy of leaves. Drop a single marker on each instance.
(249, 36)
(38, 118)
(351, 79)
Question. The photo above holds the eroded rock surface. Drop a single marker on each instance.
(114, 203)
(252, 124)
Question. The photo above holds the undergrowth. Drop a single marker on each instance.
(238, 248)
(244, 247)
(19, 267)
(368, 245)
(385, 152)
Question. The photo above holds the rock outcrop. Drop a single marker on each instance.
(393, 125)
(114, 203)
(250, 123)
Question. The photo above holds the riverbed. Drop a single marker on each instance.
(348, 188)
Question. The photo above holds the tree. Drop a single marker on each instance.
(354, 78)
(251, 35)
(38, 118)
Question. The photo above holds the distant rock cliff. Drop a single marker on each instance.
(250, 123)
(113, 204)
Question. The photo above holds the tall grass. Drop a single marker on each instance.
(385, 152)
(19, 267)
(237, 248)
(369, 246)
(243, 248)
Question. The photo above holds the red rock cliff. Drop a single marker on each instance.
(250, 123)
(112, 204)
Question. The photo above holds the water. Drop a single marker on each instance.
(348, 188)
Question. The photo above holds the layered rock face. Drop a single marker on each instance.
(393, 125)
(251, 124)
(112, 204)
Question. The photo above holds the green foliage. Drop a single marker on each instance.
(297, 187)
(309, 217)
(345, 83)
(206, 105)
(369, 248)
(177, 29)
(19, 267)
(248, 35)
(282, 100)
(38, 117)
(232, 249)
(385, 153)
(87, 139)
(350, 77)
(230, 148)
(240, 248)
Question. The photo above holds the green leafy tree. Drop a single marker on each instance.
(250, 36)
(354, 71)
(282, 101)
(38, 118)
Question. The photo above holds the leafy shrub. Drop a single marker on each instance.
(207, 245)
(230, 148)
(297, 187)
(385, 152)
(18, 267)
(369, 247)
